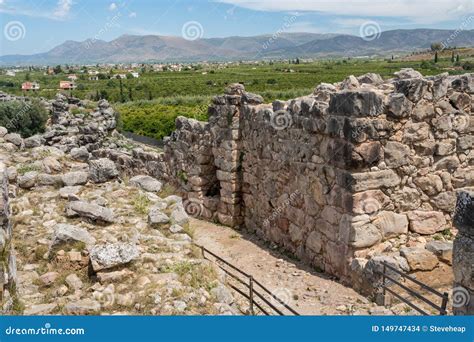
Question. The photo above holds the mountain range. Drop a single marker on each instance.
(153, 48)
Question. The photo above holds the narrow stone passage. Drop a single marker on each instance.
(310, 293)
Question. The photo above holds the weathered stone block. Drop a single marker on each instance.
(363, 233)
(391, 224)
(373, 180)
(399, 106)
(356, 103)
(369, 202)
(419, 258)
(442, 249)
(426, 222)
(396, 154)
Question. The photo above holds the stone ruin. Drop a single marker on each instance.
(7, 255)
(359, 172)
(463, 251)
(356, 173)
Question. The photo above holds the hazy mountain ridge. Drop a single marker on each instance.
(130, 48)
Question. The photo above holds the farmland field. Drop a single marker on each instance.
(149, 104)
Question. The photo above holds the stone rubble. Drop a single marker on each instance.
(81, 235)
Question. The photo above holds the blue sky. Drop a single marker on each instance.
(33, 26)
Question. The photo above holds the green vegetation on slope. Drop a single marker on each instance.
(156, 119)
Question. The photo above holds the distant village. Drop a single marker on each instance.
(73, 74)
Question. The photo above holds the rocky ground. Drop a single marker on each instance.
(90, 242)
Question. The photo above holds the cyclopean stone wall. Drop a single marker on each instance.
(7, 256)
(463, 262)
(358, 172)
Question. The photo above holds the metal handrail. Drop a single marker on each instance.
(385, 287)
(424, 286)
(251, 287)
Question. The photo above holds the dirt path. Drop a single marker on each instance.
(312, 293)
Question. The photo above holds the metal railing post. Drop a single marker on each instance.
(251, 296)
(444, 304)
(383, 285)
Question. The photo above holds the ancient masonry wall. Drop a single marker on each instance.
(463, 262)
(7, 256)
(358, 171)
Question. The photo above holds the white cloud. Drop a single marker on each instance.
(133, 15)
(62, 9)
(413, 10)
(113, 6)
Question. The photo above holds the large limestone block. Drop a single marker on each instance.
(419, 258)
(396, 154)
(369, 202)
(373, 180)
(391, 224)
(442, 249)
(91, 211)
(426, 222)
(147, 183)
(399, 106)
(363, 233)
(68, 234)
(356, 103)
(112, 255)
(75, 178)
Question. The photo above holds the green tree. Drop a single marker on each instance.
(436, 46)
(468, 66)
(57, 69)
(436, 57)
(103, 95)
(122, 96)
(25, 118)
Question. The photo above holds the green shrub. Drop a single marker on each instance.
(468, 66)
(156, 119)
(25, 118)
